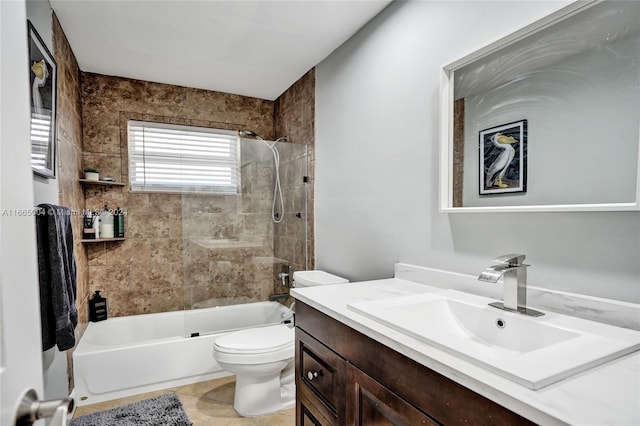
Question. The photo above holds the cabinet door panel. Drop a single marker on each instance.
(310, 414)
(370, 403)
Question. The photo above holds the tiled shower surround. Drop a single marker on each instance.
(295, 117)
(190, 250)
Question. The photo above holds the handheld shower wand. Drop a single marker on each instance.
(277, 190)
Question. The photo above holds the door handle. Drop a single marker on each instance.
(31, 409)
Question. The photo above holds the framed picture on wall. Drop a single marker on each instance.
(42, 82)
(503, 159)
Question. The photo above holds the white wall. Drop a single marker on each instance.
(377, 163)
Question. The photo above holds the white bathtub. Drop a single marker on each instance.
(125, 356)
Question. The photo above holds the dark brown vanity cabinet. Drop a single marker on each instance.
(346, 378)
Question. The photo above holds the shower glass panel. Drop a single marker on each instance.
(233, 251)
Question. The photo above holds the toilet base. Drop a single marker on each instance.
(265, 382)
(257, 396)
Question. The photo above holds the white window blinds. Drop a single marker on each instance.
(174, 158)
(40, 130)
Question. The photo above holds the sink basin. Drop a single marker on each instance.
(534, 352)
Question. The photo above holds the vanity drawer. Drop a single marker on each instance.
(321, 371)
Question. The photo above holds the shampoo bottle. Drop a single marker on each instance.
(116, 231)
(106, 223)
(119, 223)
(97, 307)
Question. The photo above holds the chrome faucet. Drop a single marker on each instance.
(515, 283)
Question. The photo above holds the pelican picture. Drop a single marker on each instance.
(503, 167)
(42, 82)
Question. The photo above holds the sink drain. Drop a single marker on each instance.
(500, 323)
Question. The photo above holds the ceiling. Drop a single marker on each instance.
(251, 48)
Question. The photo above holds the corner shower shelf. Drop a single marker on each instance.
(100, 182)
(103, 183)
(103, 240)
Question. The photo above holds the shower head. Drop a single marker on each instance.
(249, 134)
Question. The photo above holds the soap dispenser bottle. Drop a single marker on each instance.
(97, 307)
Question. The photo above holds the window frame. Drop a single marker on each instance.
(135, 157)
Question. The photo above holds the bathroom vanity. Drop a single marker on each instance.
(353, 370)
(345, 377)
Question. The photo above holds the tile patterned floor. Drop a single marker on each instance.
(205, 403)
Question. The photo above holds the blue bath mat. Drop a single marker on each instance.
(163, 410)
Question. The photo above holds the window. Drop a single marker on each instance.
(175, 158)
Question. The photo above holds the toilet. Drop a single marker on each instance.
(262, 358)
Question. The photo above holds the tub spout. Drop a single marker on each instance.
(278, 296)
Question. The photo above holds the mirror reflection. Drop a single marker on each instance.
(552, 118)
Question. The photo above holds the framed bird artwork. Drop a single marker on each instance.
(42, 82)
(503, 159)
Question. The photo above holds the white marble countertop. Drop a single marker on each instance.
(605, 395)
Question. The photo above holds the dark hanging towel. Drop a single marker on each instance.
(57, 277)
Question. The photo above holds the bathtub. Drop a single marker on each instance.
(124, 356)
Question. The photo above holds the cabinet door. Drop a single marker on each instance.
(370, 403)
(310, 414)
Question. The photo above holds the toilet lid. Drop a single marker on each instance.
(314, 278)
(257, 340)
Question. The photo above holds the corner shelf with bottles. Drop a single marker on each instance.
(114, 218)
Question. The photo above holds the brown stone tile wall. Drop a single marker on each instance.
(69, 159)
(458, 151)
(295, 117)
(175, 254)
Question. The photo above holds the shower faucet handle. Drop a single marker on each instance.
(284, 277)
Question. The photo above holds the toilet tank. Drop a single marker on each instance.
(316, 278)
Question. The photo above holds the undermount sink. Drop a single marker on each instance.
(534, 352)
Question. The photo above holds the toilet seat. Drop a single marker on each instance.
(256, 345)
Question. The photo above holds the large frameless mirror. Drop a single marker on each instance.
(548, 118)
